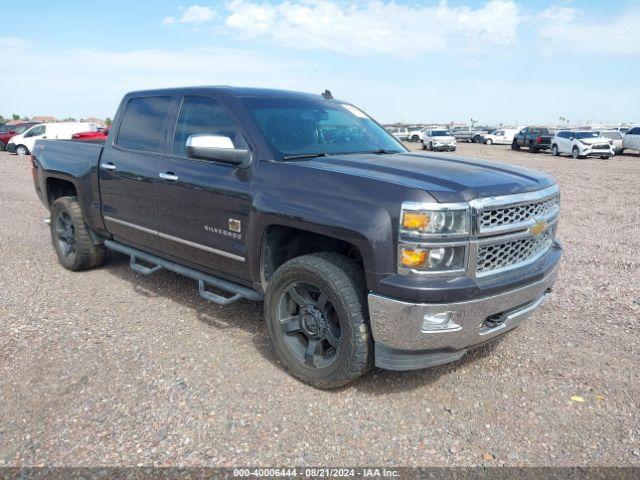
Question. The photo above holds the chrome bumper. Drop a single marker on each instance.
(398, 325)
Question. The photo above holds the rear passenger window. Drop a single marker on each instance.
(204, 116)
(142, 123)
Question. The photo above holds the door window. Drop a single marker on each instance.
(36, 131)
(142, 124)
(204, 116)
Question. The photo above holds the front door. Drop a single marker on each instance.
(129, 171)
(204, 206)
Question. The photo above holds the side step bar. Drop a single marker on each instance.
(238, 291)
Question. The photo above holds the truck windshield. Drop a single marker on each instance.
(308, 127)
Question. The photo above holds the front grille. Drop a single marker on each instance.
(512, 253)
(496, 217)
(600, 147)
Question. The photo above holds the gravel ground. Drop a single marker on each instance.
(107, 368)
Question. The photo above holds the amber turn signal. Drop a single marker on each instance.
(415, 221)
(413, 258)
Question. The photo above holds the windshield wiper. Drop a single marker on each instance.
(380, 151)
(305, 155)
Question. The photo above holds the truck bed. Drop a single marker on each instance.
(71, 161)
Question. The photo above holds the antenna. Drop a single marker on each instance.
(327, 95)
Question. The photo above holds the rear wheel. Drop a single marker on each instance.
(415, 138)
(533, 148)
(424, 147)
(71, 239)
(3, 147)
(315, 309)
(22, 150)
(515, 146)
(488, 141)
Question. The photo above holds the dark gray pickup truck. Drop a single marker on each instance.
(363, 252)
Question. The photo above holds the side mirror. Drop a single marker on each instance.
(217, 148)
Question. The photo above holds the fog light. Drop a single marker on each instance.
(434, 322)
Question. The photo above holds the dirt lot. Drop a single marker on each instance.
(109, 368)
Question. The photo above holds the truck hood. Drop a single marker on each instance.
(447, 179)
(595, 140)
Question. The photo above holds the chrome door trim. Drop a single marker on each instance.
(215, 251)
(130, 225)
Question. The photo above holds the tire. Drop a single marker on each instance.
(431, 146)
(415, 138)
(424, 147)
(515, 146)
(22, 150)
(70, 237)
(532, 148)
(620, 152)
(453, 149)
(329, 344)
(575, 153)
(3, 147)
(554, 150)
(488, 141)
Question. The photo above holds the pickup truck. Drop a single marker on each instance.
(363, 252)
(534, 138)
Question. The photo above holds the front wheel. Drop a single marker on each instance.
(488, 142)
(431, 146)
(554, 151)
(71, 238)
(315, 308)
(22, 150)
(575, 153)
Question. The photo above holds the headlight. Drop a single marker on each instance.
(436, 259)
(434, 237)
(435, 219)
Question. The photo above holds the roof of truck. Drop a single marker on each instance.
(237, 91)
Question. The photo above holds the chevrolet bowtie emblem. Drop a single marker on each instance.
(538, 228)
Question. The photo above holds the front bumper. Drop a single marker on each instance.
(11, 148)
(442, 146)
(401, 343)
(588, 152)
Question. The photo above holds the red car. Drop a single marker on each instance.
(8, 131)
(91, 136)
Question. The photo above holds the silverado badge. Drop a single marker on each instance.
(538, 228)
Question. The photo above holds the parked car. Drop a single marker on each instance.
(631, 140)
(581, 144)
(416, 135)
(465, 134)
(615, 136)
(364, 253)
(23, 143)
(438, 140)
(8, 131)
(400, 133)
(91, 136)
(502, 136)
(533, 138)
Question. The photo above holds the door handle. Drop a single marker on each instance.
(108, 166)
(169, 176)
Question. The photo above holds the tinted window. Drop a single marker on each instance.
(142, 122)
(634, 131)
(580, 135)
(440, 133)
(200, 115)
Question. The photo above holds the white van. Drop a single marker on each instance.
(502, 136)
(23, 144)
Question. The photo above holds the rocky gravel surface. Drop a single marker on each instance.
(108, 368)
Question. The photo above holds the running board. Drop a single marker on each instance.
(156, 264)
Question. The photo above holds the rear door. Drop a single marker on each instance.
(203, 205)
(129, 171)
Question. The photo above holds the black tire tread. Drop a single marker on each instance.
(89, 255)
(348, 279)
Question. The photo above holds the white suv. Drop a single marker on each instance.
(631, 140)
(438, 140)
(581, 144)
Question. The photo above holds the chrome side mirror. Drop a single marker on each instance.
(217, 148)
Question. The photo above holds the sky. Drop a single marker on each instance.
(496, 61)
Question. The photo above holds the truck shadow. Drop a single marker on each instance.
(248, 316)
